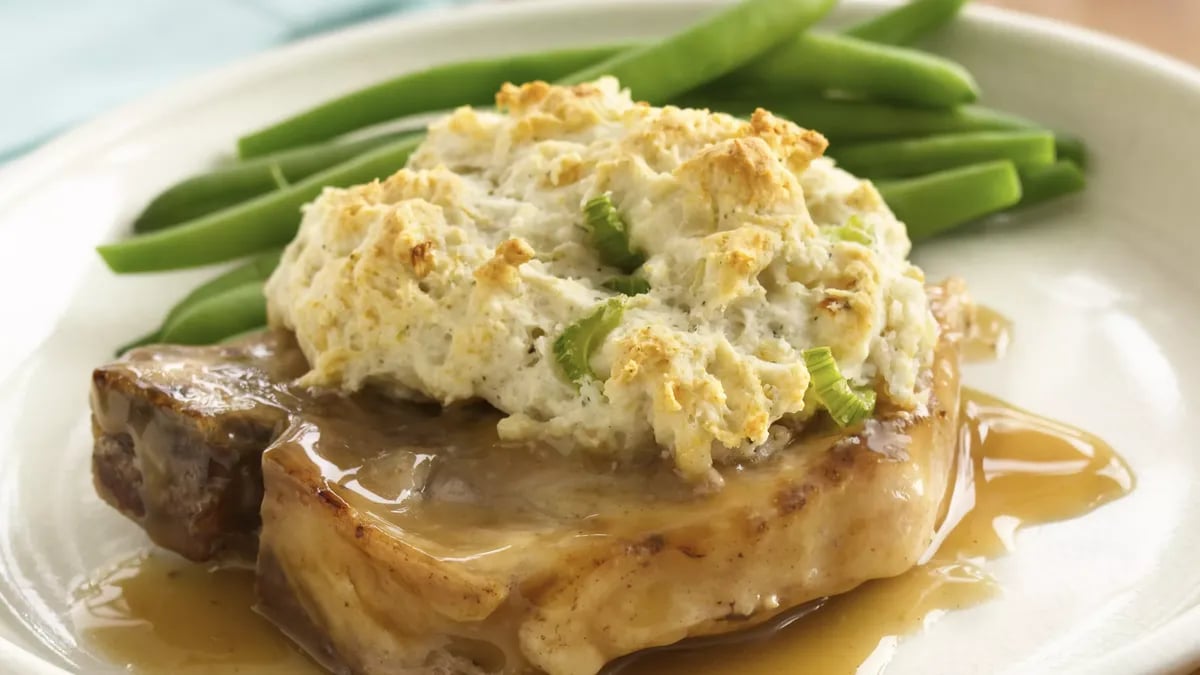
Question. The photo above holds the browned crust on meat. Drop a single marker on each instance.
(272, 587)
(187, 472)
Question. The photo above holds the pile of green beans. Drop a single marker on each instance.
(809, 62)
(264, 222)
(908, 157)
(823, 62)
(904, 118)
(715, 46)
(445, 86)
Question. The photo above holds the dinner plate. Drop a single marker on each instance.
(1103, 290)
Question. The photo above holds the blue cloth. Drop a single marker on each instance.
(65, 61)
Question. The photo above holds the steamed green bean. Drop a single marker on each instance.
(1072, 148)
(257, 268)
(915, 156)
(437, 88)
(655, 71)
(894, 114)
(212, 319)
(661, 70)
(208, 192)
(908, 23)
(1043, 183)
(712, 47)
(820, 62)
(930, 205)
(847, 121)
(259, 224)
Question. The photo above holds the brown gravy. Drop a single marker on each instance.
(158, 614)
(1023, 470)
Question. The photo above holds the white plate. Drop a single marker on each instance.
(1103, 290)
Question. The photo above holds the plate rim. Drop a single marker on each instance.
(1167, 642)
(27, 167)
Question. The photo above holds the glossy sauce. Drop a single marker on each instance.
(1022, 470)
(160, 615)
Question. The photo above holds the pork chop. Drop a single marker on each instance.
(405, 539)
(446, 551)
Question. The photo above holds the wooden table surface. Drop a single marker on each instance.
(1169, 26)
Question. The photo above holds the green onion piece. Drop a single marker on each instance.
(573, 349)
(933, 204)
(846, 407)
(630, 284)
(854, 230)
(610, 235)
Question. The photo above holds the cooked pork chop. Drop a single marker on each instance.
(385, 551)
(402, 539)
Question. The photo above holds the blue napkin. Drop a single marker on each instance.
(68, 60)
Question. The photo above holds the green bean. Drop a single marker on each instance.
(259, 224)
(233, 311)
(1072, 148)
(820, 62)
(1043, 183)
(208, 192)
(915, 156)
(655, 71)
(908, 23)
(932, 204)
(271, 219)
(257, 268)
(848, 121)
(844, 121)
(437, 88)
(707, 50)
(713, 47)
(813, 62)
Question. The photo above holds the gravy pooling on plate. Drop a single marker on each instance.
(162, 615)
